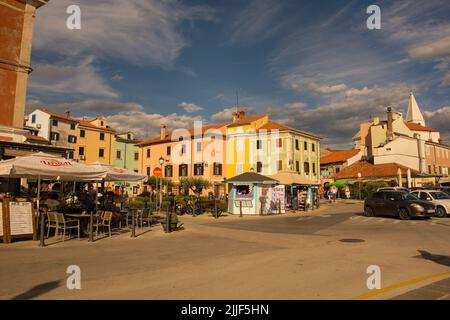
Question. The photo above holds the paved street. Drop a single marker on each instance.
(321, 254)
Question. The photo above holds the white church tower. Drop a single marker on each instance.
(414, 114)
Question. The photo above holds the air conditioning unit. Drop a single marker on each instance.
(82, 157)
(38, 126)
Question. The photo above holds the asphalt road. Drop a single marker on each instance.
(321, 254)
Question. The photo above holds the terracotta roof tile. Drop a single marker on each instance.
(63, 116)
(35, 138)
(338, 156)
(87, 124)
(369, 170)
(417, 127)
(244, 121)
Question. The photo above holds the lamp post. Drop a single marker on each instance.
(161, 162)
(359, 185)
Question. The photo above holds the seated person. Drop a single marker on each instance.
(52, 202)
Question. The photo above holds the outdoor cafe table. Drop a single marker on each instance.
(84, 221)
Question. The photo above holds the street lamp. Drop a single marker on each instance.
(359, 185)
(161, 162)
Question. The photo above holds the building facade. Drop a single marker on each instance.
(126, 151)
(95, 141)
(59, 129)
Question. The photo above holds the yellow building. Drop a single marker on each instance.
(95, 141)
(267, 147)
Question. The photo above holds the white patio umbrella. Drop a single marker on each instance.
(117, 174)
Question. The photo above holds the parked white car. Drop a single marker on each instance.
(440, 199)
(393, 189)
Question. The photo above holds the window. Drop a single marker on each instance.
(82, 133)
(338, 169)
(182, 170)
(240, 145)
(54, 136)
(101, 152)
(199, 147)
(119, 154)
(71, 154)
(279, 143)
(136, 156)
(129, 136)
(258, 144)
(183, 149)
(81, 151)
(72, 139)
(313, 147)
(198, 169)
(148, 171)
(306, 167)
(33, 118)
(259, 167)
(429, 169)
(239, 168)
(102, 136)
(72, 126)
(314, 168)
(54, 123)
(297, 145)
(168, 150)
(305, 145)
(148, 153)
(297, 166)
(280, 165)
(217, 169)
(168, 171)
(101, 123)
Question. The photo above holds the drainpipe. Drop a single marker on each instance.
(419, 148)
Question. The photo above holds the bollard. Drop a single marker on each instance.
(133, 225)
(240, 209)
(167, 222)
(42, 228)
(215, 209)
(279, 206)
(91, 227)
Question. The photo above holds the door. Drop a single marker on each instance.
(378, 203)
(391, 203)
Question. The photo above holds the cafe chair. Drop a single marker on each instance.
(146, 217)
(58, 222)
(104, 222)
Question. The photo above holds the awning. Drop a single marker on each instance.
(252, 177)
(293, 178)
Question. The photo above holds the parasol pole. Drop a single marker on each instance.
(40, 215)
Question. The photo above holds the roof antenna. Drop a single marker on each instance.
(237, 100)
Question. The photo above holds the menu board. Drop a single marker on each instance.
(1, 219)
(21, 218)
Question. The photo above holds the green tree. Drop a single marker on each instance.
(195, 184)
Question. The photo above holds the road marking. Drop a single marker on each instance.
(324, 215)
(304, 218)
(400, 285)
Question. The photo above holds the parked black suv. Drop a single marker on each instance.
(397, 204)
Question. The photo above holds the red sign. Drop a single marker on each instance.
(157, 172)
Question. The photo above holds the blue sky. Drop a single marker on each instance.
(309, 64)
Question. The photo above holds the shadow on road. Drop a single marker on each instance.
(38, 290)
(440, 259)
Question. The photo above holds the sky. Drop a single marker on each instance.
(312, 65)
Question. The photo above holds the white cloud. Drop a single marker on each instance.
(227, 113)
(338, 120)
(324, 89)
(359, 92)
(439, 119)
(190, 107)
(117, 77)
(70, 79)
(436, 49)
(144, 32)
(446, 80)
(146, 125)
(259, 20)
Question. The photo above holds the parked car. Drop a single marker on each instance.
(399, 204)
(393, 189)
(439, 198)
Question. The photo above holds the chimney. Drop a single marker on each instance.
(389, 132)
(241, 114)
(67, 113)
(163, 132)
(235, 116)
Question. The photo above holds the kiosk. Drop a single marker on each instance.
(254, 194)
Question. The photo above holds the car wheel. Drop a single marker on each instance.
(403, 214)
(368, 212)
(440, 212)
